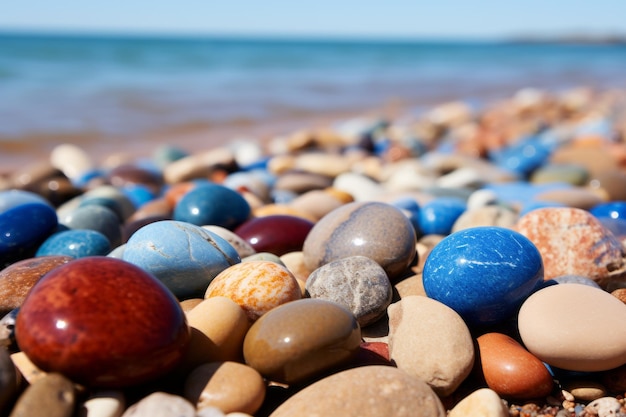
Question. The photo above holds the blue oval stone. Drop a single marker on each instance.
(483, 273)
(612, 209)
(75, 243)
(437, 216)
(183, 256)
(212, 204)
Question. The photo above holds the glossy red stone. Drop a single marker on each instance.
(102, 322)
(277, 234)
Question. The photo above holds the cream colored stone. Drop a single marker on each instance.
(28, 370)
(584, 390)
(72, 160)
(294, 261)
(103, 404)
(322, 163)
(430, 341)
(574, 327)
(368, 391)
(242, 247)
(199, 165)
(161, 404)
(480, 403)
(229, 386)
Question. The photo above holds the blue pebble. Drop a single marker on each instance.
(212, 204)
(483, 273)
(98, 218)
(524, 156)
(26, 220)
(437, 216)
(75, 243)
(514, 193)
(138, 194)
(612, 209)
(183, 256)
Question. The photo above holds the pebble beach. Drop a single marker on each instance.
(461, 261)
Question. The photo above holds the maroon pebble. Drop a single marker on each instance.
(277, 234)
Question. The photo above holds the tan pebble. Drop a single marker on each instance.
(282, 209)
(53, 393)
(368, 391)
(412, 285)
(218, 328)
(330, 165)
(280, 164)
(229, 386)
(242, 247)
(443, 359)
(28, 370)
(71, 159)
(486, 216)
(576, 197)
(189, 304)
(603, 407)
(359, 186)
(294, 261)
(585, 390)
(103, 404)
(620, 294)
(483, 402)
(257, 286)
(238, 415)
(199, 165)
(161, 404)
(573, 327)
(316, 203)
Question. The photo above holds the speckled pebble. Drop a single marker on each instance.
(53, 393)
(161, 404)
(75, 243)
(445, 357)
(370, 391)
(603, 407)
(357, 282)
(376, 230)
(229, 386)
(299, 340)
(257, 286)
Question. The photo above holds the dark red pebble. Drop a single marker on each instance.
(277, 234)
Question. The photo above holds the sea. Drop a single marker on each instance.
(129, 85)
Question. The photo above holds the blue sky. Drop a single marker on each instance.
(333, 18)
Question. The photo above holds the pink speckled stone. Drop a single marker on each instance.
(573, 242)
(257, 286)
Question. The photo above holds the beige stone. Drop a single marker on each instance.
(584, 390)
(53, 393)
(103, 404)
(480, 403)
(369, 391)
(161, 404)
(430, 341)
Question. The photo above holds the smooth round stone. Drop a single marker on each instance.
(294, 262)
(368, 391)
(557, 325)
(242, 247)
(158, 207)
(443, 359)
(483, 273)
(256, 286)
(357, 283)
(483, 402)
(212, 204)
(17, 279)
(264, 256)
(486, 216)
(571, 174)
(106, 403)
(199, 165)
(584, 390)
(437, 216)
(510, 370)
(164, 155)
(218, 327)
(72, 160)
(360, 187)
(110, 197)
(98, 218)
(318, 203)
(76, 321)
(604, 407)
(252, 182)
(229, 386)
(573, 242)
(126, 175)
(577, 197)
(183, 256)
(376, 230)
(278, 234)
(609, 182)
(612, 209)
(53, 393)
(299, 340)
(132, 226)
(301, 182)
(161, 404)
(75, 243)
(25, 220)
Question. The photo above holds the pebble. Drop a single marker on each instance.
(510, 370)
(585, 390)
(277, 234)
(301, 182)
(18, 278)
(161, 404)
(75, 243)
(218, 327)
(9, 381)
(76, 321)
(581, 198)
(256, 286)
(445, 357)
(185, 257)
(98, 218)
(299, 340)
(199, 165)
(318, 203)
(242, 247)
(108, 196)
(376, 230)
(53, 393)
(439, 215)
(357, 283)
(571, 174)
(483, 273)
(212, 204)
(72, 160)
(107, 403)
(370, 391)
(572, 314)
(574, 242)
(483, 402)
(620, 294)
(486, 216)
(604, 407)
(229, 386)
